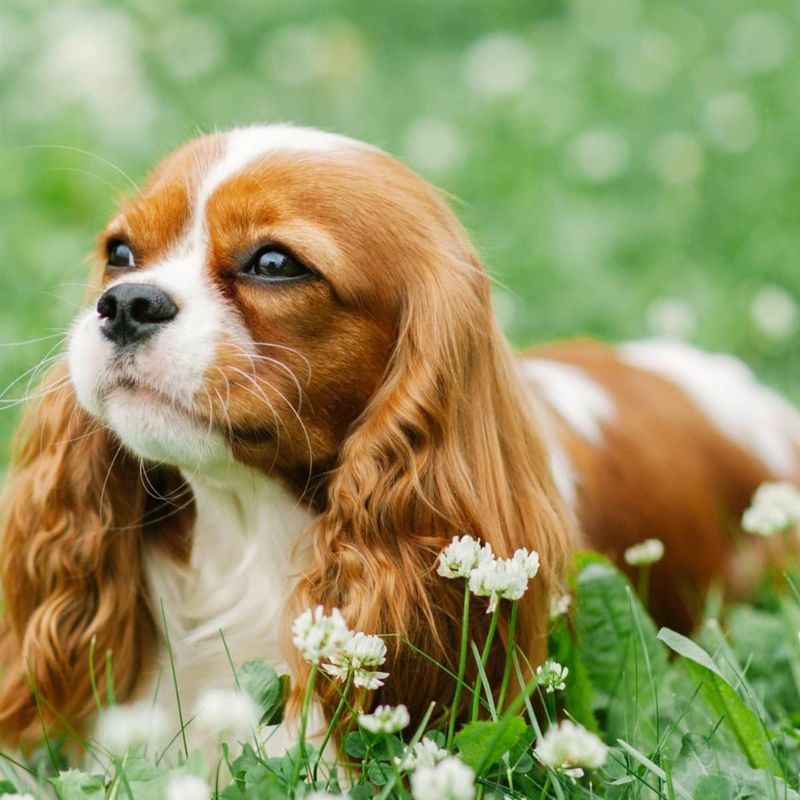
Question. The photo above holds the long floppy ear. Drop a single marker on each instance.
(446, 446)
(71, 567)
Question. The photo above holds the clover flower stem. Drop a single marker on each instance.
(462, 667)
(174, 679)
(301, 756)
(512, 625)
(362, 781)
(92, 676)
(334, 721)
(487, 646)
(398, 778)
(543, 795)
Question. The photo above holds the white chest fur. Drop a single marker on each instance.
(238, 579)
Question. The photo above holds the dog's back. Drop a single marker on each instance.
(659, 439)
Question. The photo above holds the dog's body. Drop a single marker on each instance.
(296, 339)
(713, 435)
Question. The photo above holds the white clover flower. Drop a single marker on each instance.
(648, 61)
(759, 41)
(125, 727)
(671, 318)
(461, 556)
(450, 779)
(569, 747)
(499, 64)
(499, 579)
(361, 656)
(551, 676)
(647, 552)
(385, 719)
(731, 121)
(559, 605)
(320, 636)
(775, 508)
(188, 787)
(227, 713)
(527, 562)
(774, 312)
(434, 144)
(599, 154)
(678, 159)
(425, 753)
(15, 796)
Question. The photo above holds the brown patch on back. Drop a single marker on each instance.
(664, 471)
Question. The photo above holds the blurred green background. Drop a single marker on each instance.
(626, 167)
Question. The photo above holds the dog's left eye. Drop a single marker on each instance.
(120, 254)
(272, 264)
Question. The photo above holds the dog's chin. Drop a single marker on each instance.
(157, 430)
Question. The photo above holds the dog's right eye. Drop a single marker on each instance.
(120, 255)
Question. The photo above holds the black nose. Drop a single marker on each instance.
(130, 312)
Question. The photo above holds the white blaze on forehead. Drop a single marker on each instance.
(581, 402)
(177, 360)
(245, 145)
(727, 392)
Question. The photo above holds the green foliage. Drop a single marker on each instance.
(623, 659)
(480, 743)
(705, 772)
(682, 721)
(268, 690)
(721, 697)
(76, 785)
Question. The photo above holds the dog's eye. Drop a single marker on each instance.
(120, 255)
(272, 264)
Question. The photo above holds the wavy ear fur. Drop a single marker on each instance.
(446, 446)
(71, 567)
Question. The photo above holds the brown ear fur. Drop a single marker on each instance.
(445, 447)
(70, 565)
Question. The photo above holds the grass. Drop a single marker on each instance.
(716, 717)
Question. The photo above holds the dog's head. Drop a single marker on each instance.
(252, 295)
(306, 305)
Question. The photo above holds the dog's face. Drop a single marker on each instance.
(248, 298)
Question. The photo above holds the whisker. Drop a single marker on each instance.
(269, 360)
(224, 404)
(100, 158)
(32, 372)
(276, 419)
(257, 391)
(211, 407)
(83, 172)
(62, 299)
(108, 475)
(145, 520)
(294, 411)
(98, 426)
(290, 350)
(33, 341)
(12, 402)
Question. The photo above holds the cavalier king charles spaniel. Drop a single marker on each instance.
(289, 389)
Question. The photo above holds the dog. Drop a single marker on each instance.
(288, 389)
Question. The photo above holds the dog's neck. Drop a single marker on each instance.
(239, 576)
